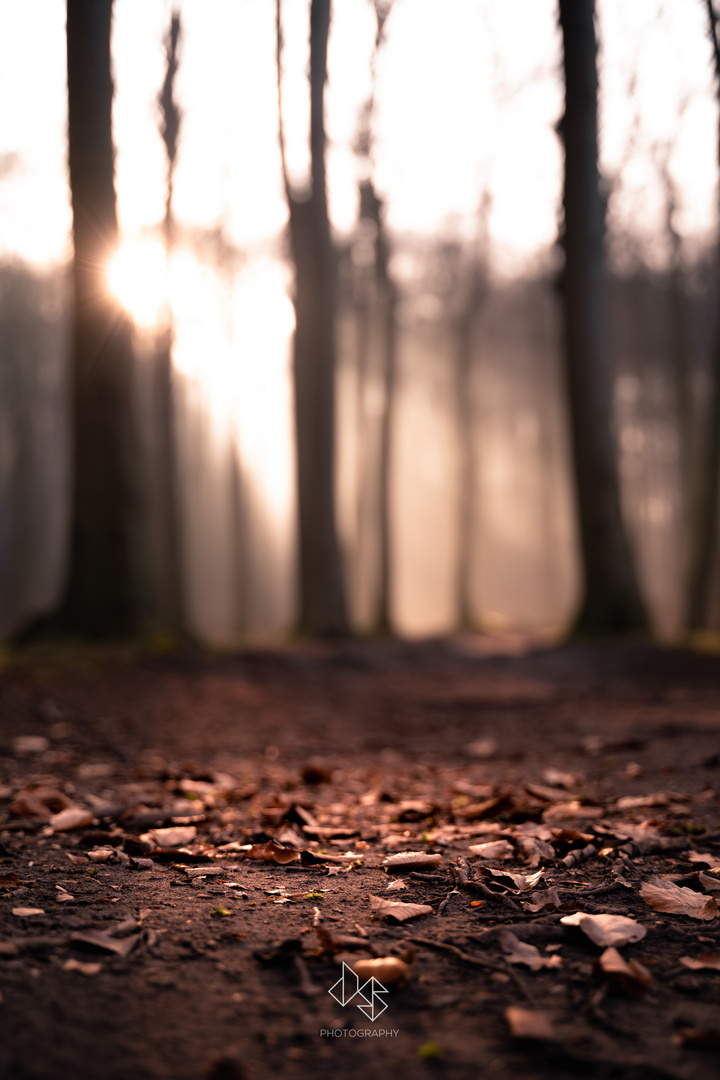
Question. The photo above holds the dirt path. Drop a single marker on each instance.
(290, 782)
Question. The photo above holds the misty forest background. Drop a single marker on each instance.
(453, 447)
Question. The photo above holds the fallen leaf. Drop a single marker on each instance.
(629, 975)
(606, 930)
(9, 948)
(273, 852)
(8, 880)
(397, 884)
(709, 881)
(547, 898)
(63, 896)
(99, 940)
(74, 817)
(30, 744)
(546, 794)
(175, 836)
(405, 860)
(632, 802)
(521, 952)
(388, 970)
(560, 779)
(27, 912)
(529, 1023)
(494, 849)
(572, 811)
(102, 854)
(704, 960)
(665, 896)
(703, 858)
(92, 968)
(398, 910)
(332, 943)
(523, 882)
(481, 748)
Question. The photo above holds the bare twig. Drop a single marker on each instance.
(446, 901)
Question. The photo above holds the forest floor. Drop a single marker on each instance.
(192, 847)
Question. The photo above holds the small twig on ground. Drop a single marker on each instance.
(446, 901)
(415, 875)
(654, 845)
(574, 857)
(600, 890)
(475, 961)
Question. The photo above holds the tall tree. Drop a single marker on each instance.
(382, 310)
(103, 595)
(171, 606)
(323, 610)
(706, 502)
(611, 601)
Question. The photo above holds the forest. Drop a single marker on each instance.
(359, 503)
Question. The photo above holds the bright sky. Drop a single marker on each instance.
(466, 101)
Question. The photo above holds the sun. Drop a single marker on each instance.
(138, 278)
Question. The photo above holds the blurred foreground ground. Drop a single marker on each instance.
(209, 952)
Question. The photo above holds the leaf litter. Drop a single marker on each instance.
(573, 863)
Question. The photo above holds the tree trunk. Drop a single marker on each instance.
(169, 573)
(611, 601)
(322, 594)
(705, 501)
(102, 594)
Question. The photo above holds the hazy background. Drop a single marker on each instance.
(467, 158)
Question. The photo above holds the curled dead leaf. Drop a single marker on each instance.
(92, 968)
(494, 849)
(74, 817)
(630, 975)
(529, 1023)
(676, 900)
(395, 909)
(521, 952)
(606, 930)
(27, 912)
(406, 860)
(388, 970)
(175, 836)
(704, 960)
(272, 852)
(548, 898)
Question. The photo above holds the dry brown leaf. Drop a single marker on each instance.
(703, 858)
(92, 968)
(332, 943)
(633, 802)
(523, 882)
(675, 899)
(396, 909)
(398, 883)
(481, 748)
(629, 975)
(175, 836)
(74, 817)
(388, 970)
(102, 854)
(546, 794)
(547, 898)
(521, 952)
(99, 940)
(571, 811)
(560, 779)
(404, 860)
(704, 960)
(529, 1023)
(494, 849)
(63, 896)
(709, 881)
(606, 930)
(27, 912)
(273, 852)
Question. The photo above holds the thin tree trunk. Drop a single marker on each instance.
(611, 601)
(323, 609)
(467, 473)
(102, 594)
(705, 533)
(171, 591)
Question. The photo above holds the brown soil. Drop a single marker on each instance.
(406, 748)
